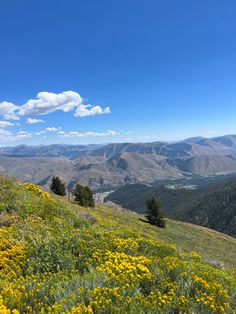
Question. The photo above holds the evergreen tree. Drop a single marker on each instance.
(78, 194)
(57, 186)
(83, 196)
(154, 215)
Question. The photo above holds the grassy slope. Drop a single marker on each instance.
(56, 258)
(214, 246)
(212, 206)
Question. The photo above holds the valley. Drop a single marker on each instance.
(112, 165)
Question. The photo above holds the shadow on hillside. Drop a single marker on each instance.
(143, 220)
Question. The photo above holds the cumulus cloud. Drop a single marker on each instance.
(34, 121)
(5, 124)
(40, 132)
(88, 110)
(46, 102)
(5, 135)
(8, 110)
(23, 134)
(112, 133)
(8, 136)
(52, 129)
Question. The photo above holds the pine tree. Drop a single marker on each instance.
(78, 194)
(83, 196)
(89, 196)
(57, 186)
(154, 215)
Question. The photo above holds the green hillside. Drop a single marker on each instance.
(212, 206)
(57, 257)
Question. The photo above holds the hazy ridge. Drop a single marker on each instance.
(115, 164)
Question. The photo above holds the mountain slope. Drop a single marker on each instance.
(204, 165)
(58, 257)
(99, 172)
(198, 146)
(111, 165)
(211, 206)
(216, 247)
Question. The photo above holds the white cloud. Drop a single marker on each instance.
(61, 132)
(5, 124)
(34, 121)
(5, 135)
(46, 102)
(112, 133)
(88, 110)
(56, 132)
(52, 129)
(23, 134)
(8, 110)
(40, 132)
(73, 134)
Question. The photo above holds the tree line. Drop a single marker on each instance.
(82, 194)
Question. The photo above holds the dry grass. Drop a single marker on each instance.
(216, 247)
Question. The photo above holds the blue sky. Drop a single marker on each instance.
(122, 70)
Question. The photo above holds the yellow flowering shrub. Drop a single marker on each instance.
(4, 310)
(125, 245)
(123, 267)
(12, 252)
(211, 295)
(37, 191)
(53, 262)
(81, 309)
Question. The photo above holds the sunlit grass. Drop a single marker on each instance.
(58, 257)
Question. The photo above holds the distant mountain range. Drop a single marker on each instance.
(106, 166)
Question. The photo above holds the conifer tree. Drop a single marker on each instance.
(57, 186)
(78, 194)
(83, 196)
(89, 196)
(154, 214)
